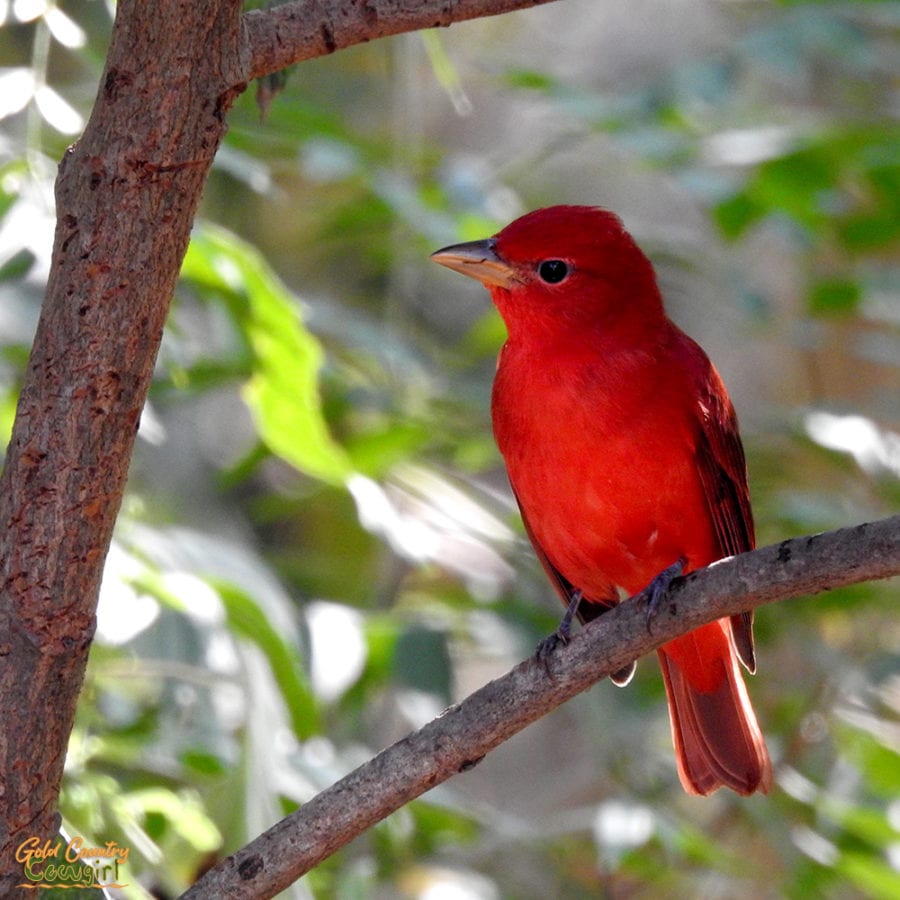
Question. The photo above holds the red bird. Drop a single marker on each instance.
(623, 452)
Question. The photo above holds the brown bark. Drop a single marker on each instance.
(293, 32)
(126, 197)
(463, 734)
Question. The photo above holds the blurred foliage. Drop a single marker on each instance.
(318, 551)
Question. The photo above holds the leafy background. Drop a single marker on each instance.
(318, 550)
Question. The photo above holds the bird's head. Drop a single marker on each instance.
(571, 266)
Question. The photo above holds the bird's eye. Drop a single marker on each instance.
(553, 271)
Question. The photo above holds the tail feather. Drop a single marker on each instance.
(717, 739)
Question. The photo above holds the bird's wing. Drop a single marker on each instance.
(723, 474)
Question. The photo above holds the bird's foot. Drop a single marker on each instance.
(659, 587)
(547, 647)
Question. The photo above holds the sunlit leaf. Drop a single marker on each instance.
(8, 400)
(181, 811)
(445, 71)
(873, 876)
(68, 32)
(58, 112)
(283, 393)
(248, 620)
(16, 90)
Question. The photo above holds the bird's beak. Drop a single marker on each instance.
(479, 260)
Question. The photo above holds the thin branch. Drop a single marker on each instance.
(464, 733)
(293, 32)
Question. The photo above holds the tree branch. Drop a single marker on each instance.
(464, 733)
(287, 34)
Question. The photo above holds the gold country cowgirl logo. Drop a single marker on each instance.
(67, 865)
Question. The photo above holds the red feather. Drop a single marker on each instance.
(622, 448)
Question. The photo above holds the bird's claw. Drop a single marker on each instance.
(659, 587)
(548, 646)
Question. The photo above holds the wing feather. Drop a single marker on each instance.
(723, 474)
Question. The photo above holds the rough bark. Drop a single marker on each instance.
(126, 195)
(305, 29)
(463, 734)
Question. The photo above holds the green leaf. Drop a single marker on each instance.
(529, 79)
(736, 214)
(283, 391)
(834, 296)
(376, 451)
(879, 764)
(873, 876)
(247, 619)
(422, 660)
(9, 397)
(17, 265)
(182, 812)
(864, 232)
(203, 763)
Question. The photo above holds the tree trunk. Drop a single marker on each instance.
(126, 196)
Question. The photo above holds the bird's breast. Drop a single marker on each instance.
(600, 450)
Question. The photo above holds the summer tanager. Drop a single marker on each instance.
(622, 449)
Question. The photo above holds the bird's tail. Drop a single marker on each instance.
(716, 735)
